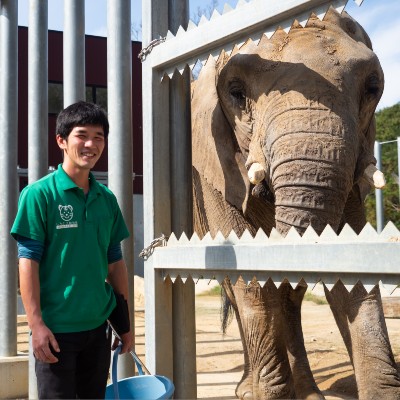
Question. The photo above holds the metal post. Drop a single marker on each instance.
(74, 51)
(398, 163)
(184, 322)
(184, 339)
(32, 387)
(37, 116)
(8, 174)
(38, 90)
(378, 192)
(119, 71)
(180, 133)
(156, 191)
(181, 154)
(156, 177)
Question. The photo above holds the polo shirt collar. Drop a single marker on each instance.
(64, 182)
(93, 185)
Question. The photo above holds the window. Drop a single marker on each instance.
(101, 97)
(94, 94)
(56, 97)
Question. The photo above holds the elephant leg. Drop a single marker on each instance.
(365, 333)
(244, 389)
(304, 382)
(338, 301)
(260, 314)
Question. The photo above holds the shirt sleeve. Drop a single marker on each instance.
(114, 253)
(29, 248)
(31, 218)
(119, 230)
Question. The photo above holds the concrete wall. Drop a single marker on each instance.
(14, 377)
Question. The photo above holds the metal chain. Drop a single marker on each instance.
(148, 251)
(147, 50)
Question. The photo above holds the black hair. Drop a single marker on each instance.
(81, 113)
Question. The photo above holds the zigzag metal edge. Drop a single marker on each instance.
(347, 235)
(301, 18)
(387, 289)
(228, 8)
(368, 236)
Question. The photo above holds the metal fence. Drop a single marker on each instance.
(170, 325)
(380, 220)
(119, 59)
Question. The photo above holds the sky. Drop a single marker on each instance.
(380, 19)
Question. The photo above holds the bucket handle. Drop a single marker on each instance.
(114, 373)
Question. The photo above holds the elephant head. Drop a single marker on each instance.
(289, 123)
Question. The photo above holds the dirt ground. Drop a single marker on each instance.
(220, 358)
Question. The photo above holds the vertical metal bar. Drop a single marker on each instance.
(181, 154)
(178, 15)
(180, 132)
(159, 360)
(74, 51)
(184, 338)
(184, 323)
(398, 164)
(37, 116)
(156, 179)
(156, 187)
(38, 90)
(32, 387)
(9, 176)
(120, 166)
(378, 192)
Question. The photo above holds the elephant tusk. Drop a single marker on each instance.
(256, 173)
(374, 176)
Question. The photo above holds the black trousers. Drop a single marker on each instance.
(82, 368)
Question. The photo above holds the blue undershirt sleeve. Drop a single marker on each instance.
(30, 248)
(114, 253)
(33, 249)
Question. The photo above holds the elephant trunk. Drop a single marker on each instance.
(311, 169)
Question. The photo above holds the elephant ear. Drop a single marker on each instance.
(216, 155)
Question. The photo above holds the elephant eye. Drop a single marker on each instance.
(373, 85)
(238, 96)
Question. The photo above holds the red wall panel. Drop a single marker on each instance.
(96, 75)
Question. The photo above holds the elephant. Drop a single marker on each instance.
(282, 136)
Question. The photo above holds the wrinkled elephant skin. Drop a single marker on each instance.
(283, 135)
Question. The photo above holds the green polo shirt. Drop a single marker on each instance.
(76, 231)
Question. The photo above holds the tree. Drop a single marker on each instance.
(387, 132)
(207, 11)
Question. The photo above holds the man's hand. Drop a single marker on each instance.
(42, 339)
(127, 343)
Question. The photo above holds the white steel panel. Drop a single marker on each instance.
(359, 258)
(235, 26)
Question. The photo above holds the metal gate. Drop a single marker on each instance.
(170, 324)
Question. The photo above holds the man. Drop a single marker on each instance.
(69, 230)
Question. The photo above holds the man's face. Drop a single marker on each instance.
(83, 147)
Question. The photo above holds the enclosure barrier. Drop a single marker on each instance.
(166, 55)
(369, 257)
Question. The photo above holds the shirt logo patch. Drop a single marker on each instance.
(66, 214)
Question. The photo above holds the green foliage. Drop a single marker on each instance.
(315, 299)
(215, 291)
(387, 130)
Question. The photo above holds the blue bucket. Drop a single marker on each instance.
(151, 387)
